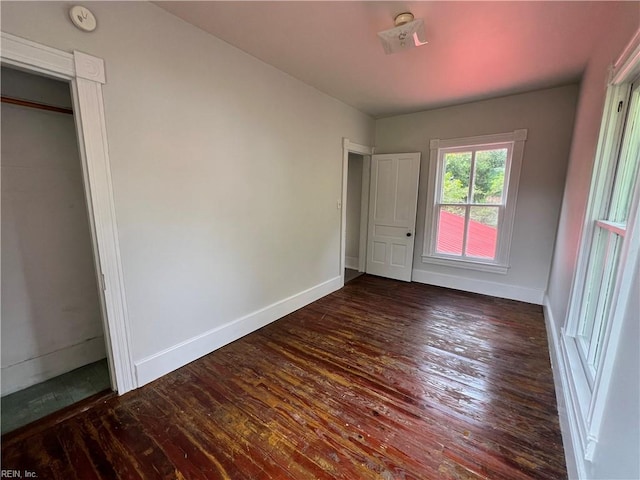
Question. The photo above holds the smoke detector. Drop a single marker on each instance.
(405, 35)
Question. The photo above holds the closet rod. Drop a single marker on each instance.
(41, 106)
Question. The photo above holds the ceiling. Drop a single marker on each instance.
(476, 50)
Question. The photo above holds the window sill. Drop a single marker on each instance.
(466, 264)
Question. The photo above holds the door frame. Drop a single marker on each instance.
(86, 75)
(366, 152)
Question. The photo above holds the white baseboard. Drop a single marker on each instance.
(572, 448)
(352, 262)
(172, 358)
(484, 287)
(36, 370)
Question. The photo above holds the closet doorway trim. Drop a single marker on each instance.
(86, 75)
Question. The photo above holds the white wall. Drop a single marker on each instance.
(548, 116)
(354, 207)
(51, 320)
(619, 441)
(617, 451)
(226, 175)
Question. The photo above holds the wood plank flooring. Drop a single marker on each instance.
(381, 380)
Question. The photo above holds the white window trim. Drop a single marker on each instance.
(506, 220)
(586, 404)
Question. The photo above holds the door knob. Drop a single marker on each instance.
(408, 234)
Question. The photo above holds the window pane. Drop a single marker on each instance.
(450, 230)
(488, 184)
(455, 181)
(482, 236)
(627, 168)
(606, 294)
(601, 275)
(595, 273)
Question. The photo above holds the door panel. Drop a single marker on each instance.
(392, 214)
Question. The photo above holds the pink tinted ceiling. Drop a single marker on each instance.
(476, 49)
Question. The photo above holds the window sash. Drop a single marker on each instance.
(627, 165)
(465, 236)
(473, 149)
(597, 298)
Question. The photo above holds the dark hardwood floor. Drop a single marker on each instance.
(381, 380)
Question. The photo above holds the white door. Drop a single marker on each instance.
(392, 214)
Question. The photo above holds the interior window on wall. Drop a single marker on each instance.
(471, 212)
(607, 260)
(609, 229)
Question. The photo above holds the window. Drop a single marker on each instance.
(607, 259)
(470, 216)
(609, 231)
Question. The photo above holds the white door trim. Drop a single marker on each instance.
(350, 147)
(86, 74)
(364, 212)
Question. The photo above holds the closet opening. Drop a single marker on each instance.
(53, 339)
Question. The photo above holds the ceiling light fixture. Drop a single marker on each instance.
(405, 35)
